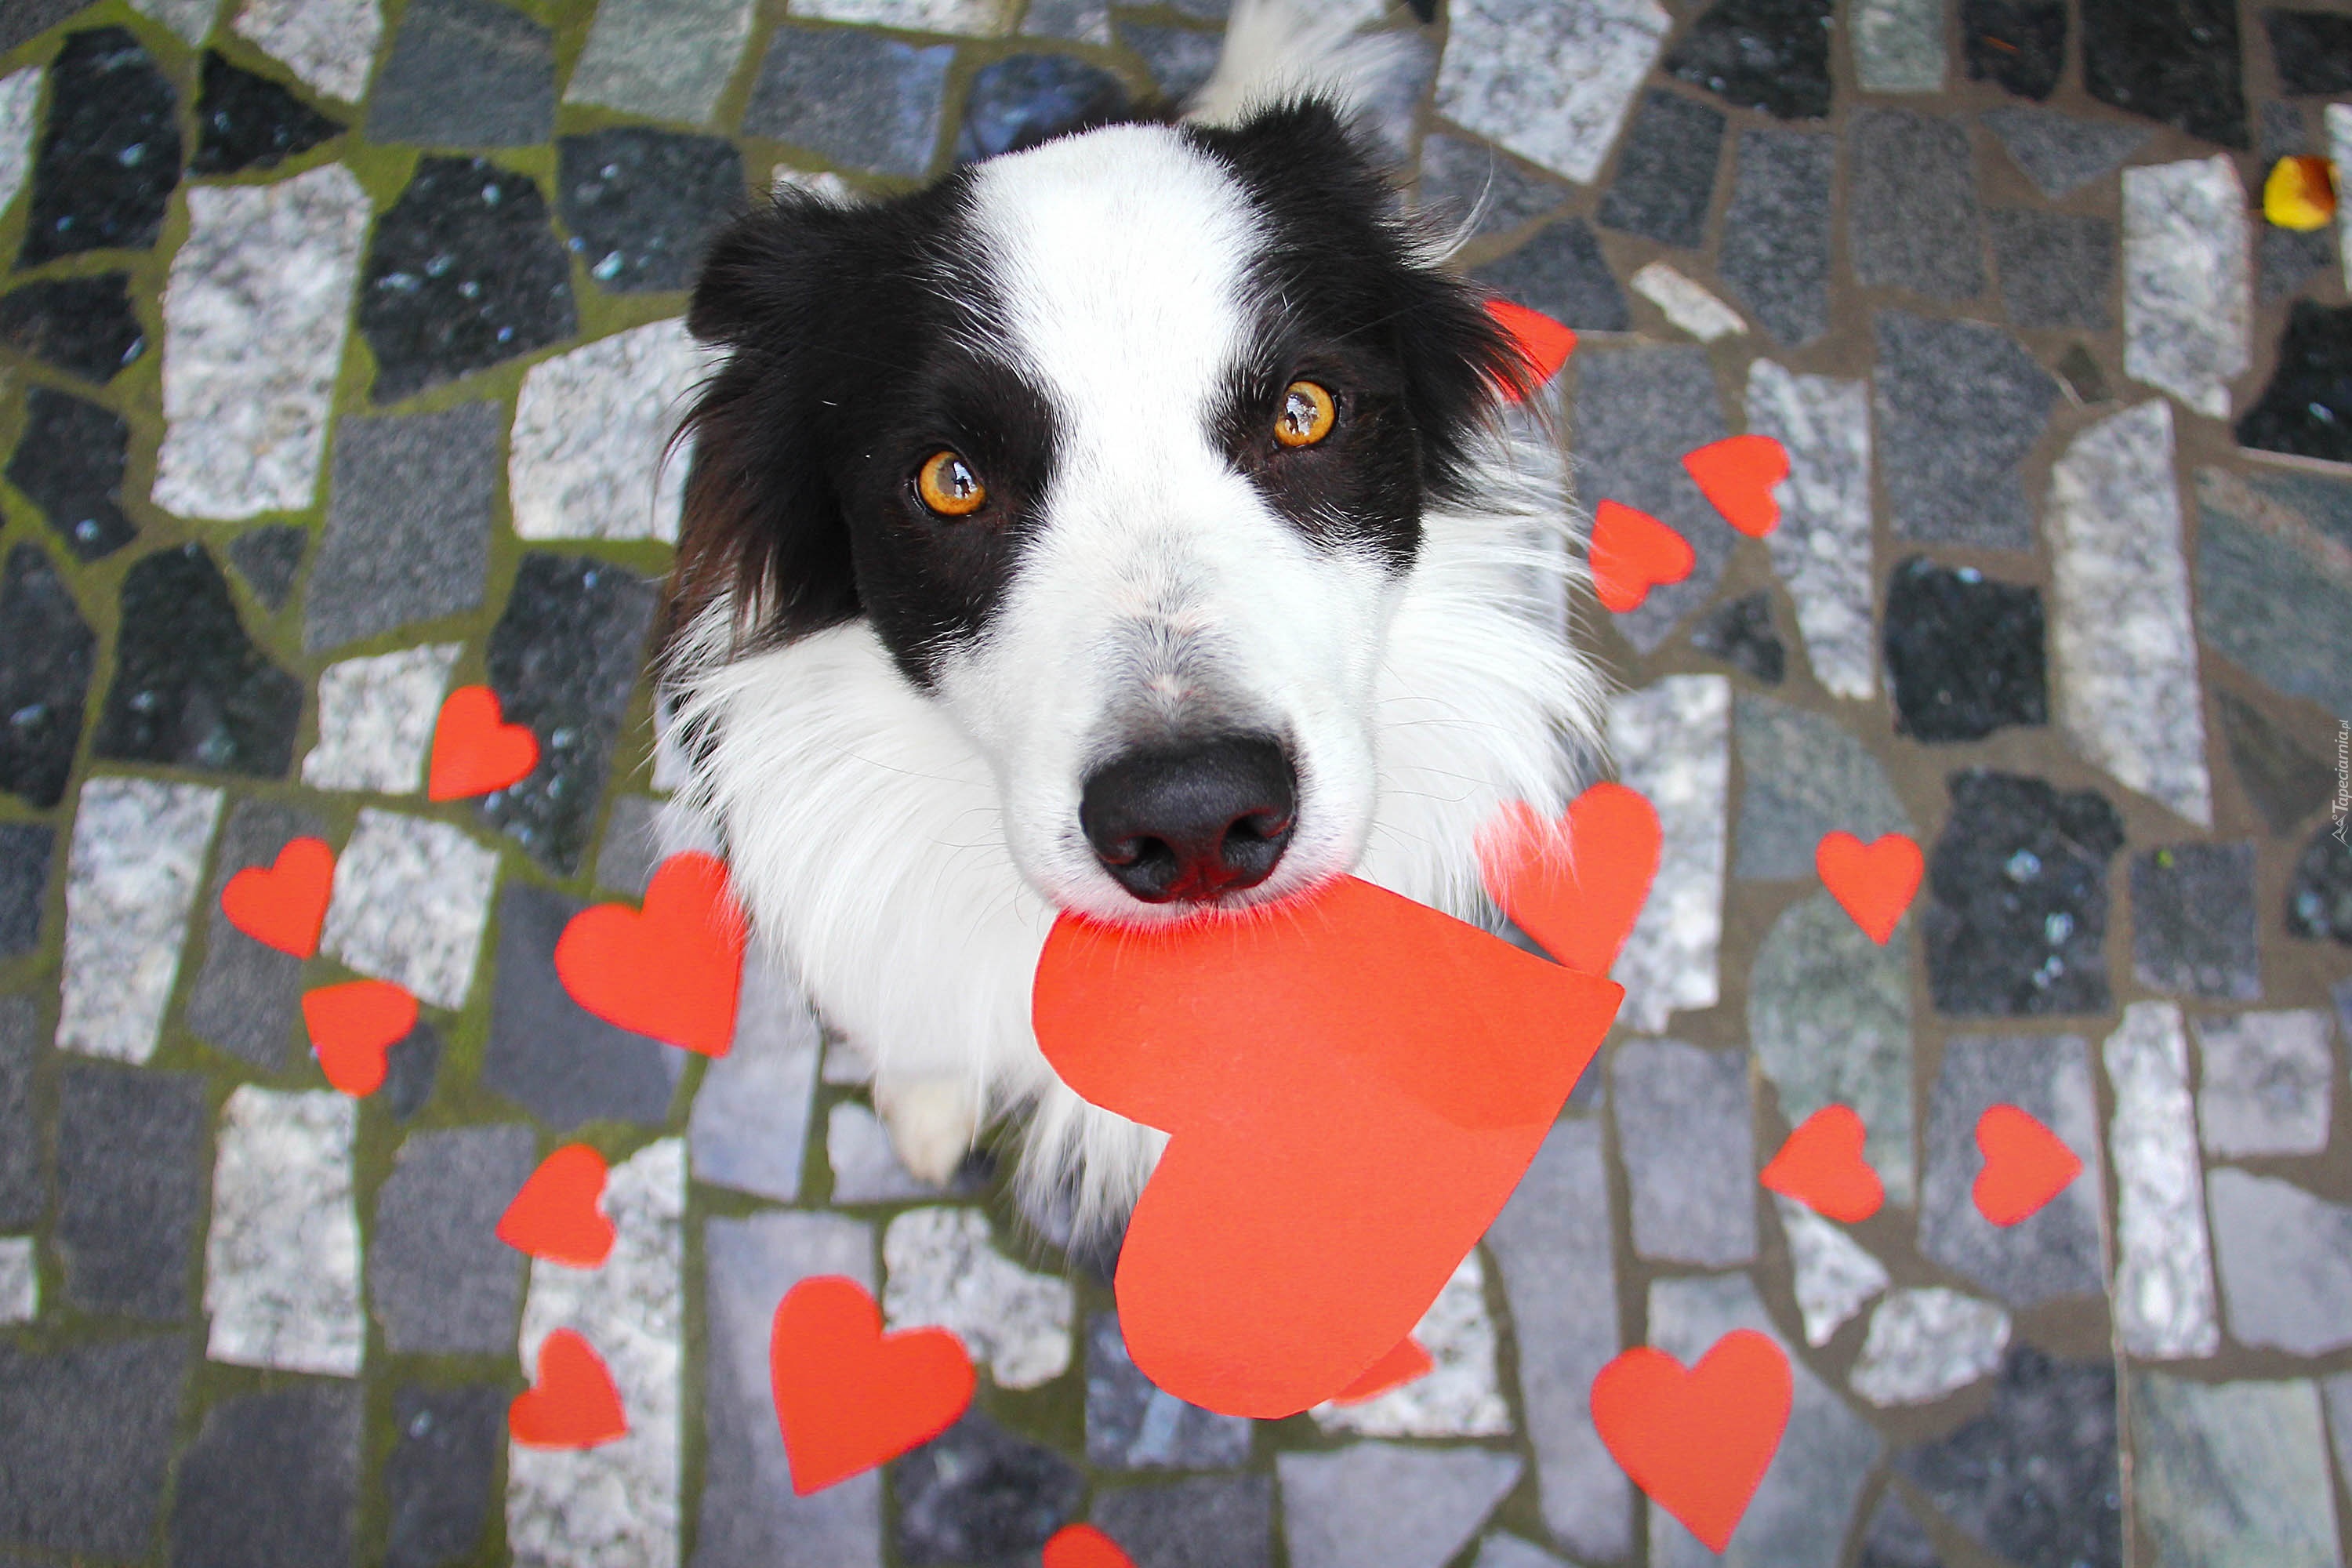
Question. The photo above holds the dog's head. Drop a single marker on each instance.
(1122, 445)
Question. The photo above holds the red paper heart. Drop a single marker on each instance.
(1577, 886)
(474, 750)
(284, 905)
(849, 1396)
(2026, 1165)
(1737, 476)
(1632, 553)
(574, 1404)
(671, 971)
(559, 1213)
(1353, 1082)
(1406, 1363)
(352, 1026)
(1084, 1546)
(1874, 883)
(1543, 342)
(1821, 1167)
(1699, 1440)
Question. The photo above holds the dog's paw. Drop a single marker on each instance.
(932, 1124)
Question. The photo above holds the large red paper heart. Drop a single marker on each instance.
(1084, 1546)
(1821, 1166)
(1543, 342)
(1406, 1363)
(849, 1396)
(1737, 476)
(352, 1026)
(670, 971)
(1578, 886)
(1353, 1083)
(474, 750)
(1632, 553)
(1874, 883)
(1699, 1440)
(559, 1213)
(574, 1404)
(284, 905)
(2026, 1165)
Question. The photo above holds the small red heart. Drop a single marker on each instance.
(1698, 1441)
(1632, 553)
(1402, 1365)
(1737, 476)
(1084, 1546)
(284, 905)
(1874, 883)
(559, 1213)
(1577, 886)
(2026, 1165)
(671, 971)
(474, 750)
(1821, 1166)
(1543, 342)
(849, 1396)
(352, 1026)
(574, 1404)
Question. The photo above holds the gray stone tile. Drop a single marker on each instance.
(20, 1280)
(2286, 1261)
(465, 73)
(1500, 1551)
(866, 1167)
(1133, 1425)
(2034, 1478)
(2285, 261)
(1925, 1343)
(26, 850)
(2057, 269)
(1673, 741)
(282, 1258)
(1686, 1130)
(2271, 593)
(22, 1194)
(942, 1270)
(439, 1279)
(1804, 775)
(631, 847)
(976, 1492)
(47, 653)
(2054, 1252)
(1382, 1505)
(547, 1053)
(669, 59)
(2059, 153)
(1203, 1521)
(272, 1482)
(584, 457)
(1836, 1276)
(2193, 921)
(2164, 1271)
(1959, 406)
(329, 43)
(1898, 46)
(269, 558)
(2188, 281)
(2339, 140)
(138, 850)
(1181, 59)
(246, 993)
(86, 1443)
(1638, 410)
(1666, 174)
(2233, 1475)
(408, 523)
(2337, 1391)
(1562, 272)
(1085, 21)
(870, 102)
(438, 1482)
(411, 898)
(130, 1188)
(751, 1120)
(1550, 79)
(376, 718)
(1822, 548)
(2266, 1082)
(2016, 909)
(1911, 217)
(1459, 176)
(1776, 233)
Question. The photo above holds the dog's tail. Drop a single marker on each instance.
(1276, 50)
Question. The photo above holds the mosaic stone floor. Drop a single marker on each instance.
(339, 344)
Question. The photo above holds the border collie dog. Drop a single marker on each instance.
(1134, 524)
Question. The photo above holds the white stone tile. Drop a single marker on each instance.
(138, 856)
(1461, 1395)
(615, 1505)
(329, 42)
(589, 428)
(254, 319)
(1686, 304)
(822, 182)
(1673, 744)
(866, 1168)
(972, 18)
(375, 720)
(2267, 1083)
(667, 58)
(1087, 21)
(1899, 44)
(1926, 1343)
(1388, 1505)
(2189, 293)
(192, 19)
(2164, 1304)
(20, 1280)
(20, 96)
(939, 1272)
(2339, 143)
(750, 1126)
(410, 901)
(282, 1260)
(1835, 1275)
(1550, 79)
(2121, 641)
(1822, 548)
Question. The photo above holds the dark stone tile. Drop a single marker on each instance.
(1027, 98)
(2270, 595)
(269, 558)
(132, 1187)
(2020, 44)
(69, 462)
(2085, 383)
(2306, 410)
(1964, 653)
(641, 203)
(1179, 58)
(26, 850)
(1776, 233)
(1562, 272)
(84, 326)
(1773, 55)
(1959, 406)
(1741, 633)
(2283, 780)
(2017, 899)
(2034, 1478)
(21, 1195)
(1686, 1128)
(548, 1053)
(272, 1480)
(1207, 1521)
(977, 1494)
(465, 73)
(445, 1454)
(1912, 219)
(46, 650)
(23, 19)
(408, 523)
(1132, 1425)
(463, 273)
(247, 993)
(1638, 410)
(2284, 261)
(2057, 269)
(1896, 1538)
(86, 1442)
(248, 121)
(439, 1280)
(1666, 175)
(190, 688)
(1457, 174)
(2193, 923)
(2172, 60)
(857, 99)
(2319, 896)
(410, 1067)
(109, 152)
(2313, 50)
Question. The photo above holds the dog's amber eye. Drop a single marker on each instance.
(949, 487)
(1307, 415)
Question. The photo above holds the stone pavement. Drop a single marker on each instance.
(341, 342)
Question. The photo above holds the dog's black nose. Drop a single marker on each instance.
(1191, 821)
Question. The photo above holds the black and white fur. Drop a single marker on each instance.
(890, 716)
